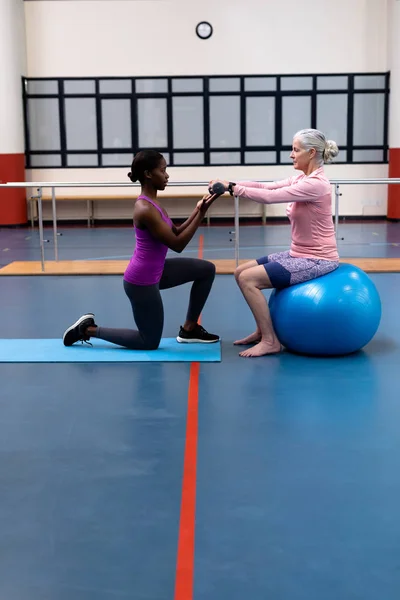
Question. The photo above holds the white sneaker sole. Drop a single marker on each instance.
(195, 341)
(78, 322)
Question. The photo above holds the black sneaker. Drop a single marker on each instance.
(198, 334)
(75, 333)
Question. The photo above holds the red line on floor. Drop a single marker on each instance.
(185, 558)
(201, 246)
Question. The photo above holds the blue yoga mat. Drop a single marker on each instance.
(53, 351)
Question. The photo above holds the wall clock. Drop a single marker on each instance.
(204, 30)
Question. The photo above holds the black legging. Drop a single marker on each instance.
(147, 306)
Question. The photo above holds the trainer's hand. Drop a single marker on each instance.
(206, 202)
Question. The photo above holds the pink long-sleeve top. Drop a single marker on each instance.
(309, 211)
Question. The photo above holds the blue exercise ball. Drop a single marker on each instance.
(333, 315)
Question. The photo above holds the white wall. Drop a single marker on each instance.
(393, 37)
(156, 37)
(12, 61)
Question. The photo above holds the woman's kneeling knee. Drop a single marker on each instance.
(151, 343)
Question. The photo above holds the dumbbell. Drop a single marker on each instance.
(217, 188)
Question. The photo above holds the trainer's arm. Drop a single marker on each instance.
(177, 229)
(151, 219)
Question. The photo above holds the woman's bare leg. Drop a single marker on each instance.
(251, 281)
(256, 336)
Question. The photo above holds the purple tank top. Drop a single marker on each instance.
(147, 263)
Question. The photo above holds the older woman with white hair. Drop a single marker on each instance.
(313, 250)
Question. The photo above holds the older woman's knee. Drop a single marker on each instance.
(244, 268)
(254, 278)
(237, 273)
(245, 278)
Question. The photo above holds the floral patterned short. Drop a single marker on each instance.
(284, 270)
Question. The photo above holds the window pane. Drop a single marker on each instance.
(225, 158)
(368, 155)
(45, 160)
(260, 121)
(188, 122)
(224, 84)
(260, 158)
(152, 113)
(369, 112)
(116, 123)
(285, 157)
(260, 84)
(224, 121)
(117, 160)
(80, 123)
(116, 86)
(296, 115)
(296, 83)
(187, 85)
(338, 82)
(82, 160)
(341, 157)
(150, 86)
(332, 116)
(368, 82)
(79, 86)
(42, 87)
(188, 158)
(44, 124)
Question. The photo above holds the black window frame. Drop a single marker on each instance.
(206, 94)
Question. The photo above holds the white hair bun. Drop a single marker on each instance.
(331, 151)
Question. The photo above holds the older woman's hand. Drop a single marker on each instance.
(224, 183)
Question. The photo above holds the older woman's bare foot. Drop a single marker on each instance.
(262, 348)
(250, 339)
